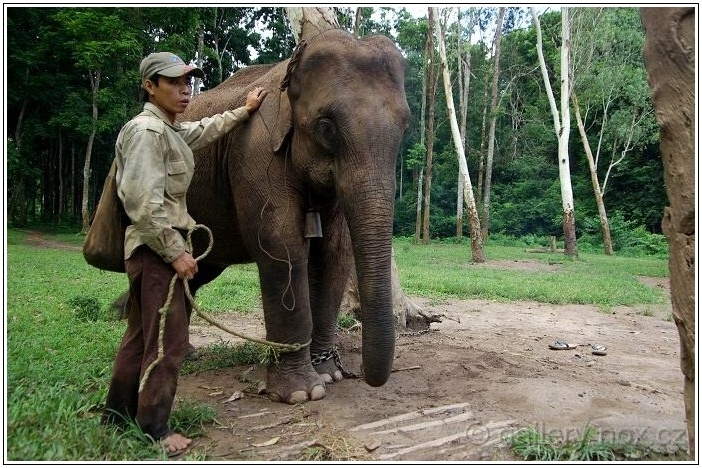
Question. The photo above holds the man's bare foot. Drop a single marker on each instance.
(175, 443)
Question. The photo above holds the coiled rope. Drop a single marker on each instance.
(163, 311)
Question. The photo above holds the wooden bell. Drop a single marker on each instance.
(313, 224)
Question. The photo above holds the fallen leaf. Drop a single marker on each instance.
(267, 443)
(235, 396)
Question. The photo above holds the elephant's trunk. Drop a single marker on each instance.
(369, 216)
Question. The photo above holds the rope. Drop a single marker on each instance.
(163, 311)
(292, 64)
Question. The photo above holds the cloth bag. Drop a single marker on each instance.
(104, 244)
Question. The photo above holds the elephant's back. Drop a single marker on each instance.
(245, 76)
(229, 94)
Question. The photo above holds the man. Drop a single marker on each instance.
(155, 165)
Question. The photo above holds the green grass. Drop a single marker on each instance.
(62, 335)
(223, 354)
(345, 321)
(442, 271)
(236, 289)
(530, 444)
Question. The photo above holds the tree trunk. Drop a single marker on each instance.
(561, 124)
(218, 53)
(422, 140)
(569, 238)
(459, 206)
(464, 72)
(670, 62)
(61, 182)
(418, 221)
(481, 155)
(485, 224)
(307, 22)
(200, 53)
(85, 213)
(463, 128)
(463, 80)
(72, 201)
(357, 23)
(310, 21)
(408, 315)
(475, 237)
(599, 199)
(430, 132)
(17, 208)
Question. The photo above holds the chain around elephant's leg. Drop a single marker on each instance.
(328, 365)
(325, 366)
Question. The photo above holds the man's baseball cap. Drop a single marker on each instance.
(166, 64)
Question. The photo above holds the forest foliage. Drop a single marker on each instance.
(57, 55)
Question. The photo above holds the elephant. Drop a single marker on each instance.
(322, 146)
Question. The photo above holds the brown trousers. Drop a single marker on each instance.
(149, 280)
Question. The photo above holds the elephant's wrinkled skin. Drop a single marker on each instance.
(328, 142)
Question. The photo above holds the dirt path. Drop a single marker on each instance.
(482, 373)
(39, 239)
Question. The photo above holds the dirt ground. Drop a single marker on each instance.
(456, 391)
(482, 373)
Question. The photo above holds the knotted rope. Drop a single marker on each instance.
(163, 311)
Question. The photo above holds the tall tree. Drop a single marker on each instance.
(90, 35)
(227, 35)
(599, 199)
(561, 124)
(25, 59)
(583, 51)
(475, 236)
(199, 53)
(485, 223)
(609, 80)
(431, 95)
(463, 79)
(279, 43)
(422, 141)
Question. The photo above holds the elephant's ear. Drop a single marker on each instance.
(277, 114)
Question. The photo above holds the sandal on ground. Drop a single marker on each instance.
(559, 345)
(598, 350)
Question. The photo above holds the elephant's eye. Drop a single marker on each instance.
(326, 134)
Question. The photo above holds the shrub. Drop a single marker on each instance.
(86, 308)
(627, 237)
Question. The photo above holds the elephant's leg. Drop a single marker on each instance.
(330, 261)
(285, 294)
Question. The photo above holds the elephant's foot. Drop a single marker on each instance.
(294, 385)
(328, 365)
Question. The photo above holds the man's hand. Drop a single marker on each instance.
(185, 266)
(255, 98)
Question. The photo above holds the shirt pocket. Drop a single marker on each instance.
(178, 180)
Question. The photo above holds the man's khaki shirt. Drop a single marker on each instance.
(154, 168)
